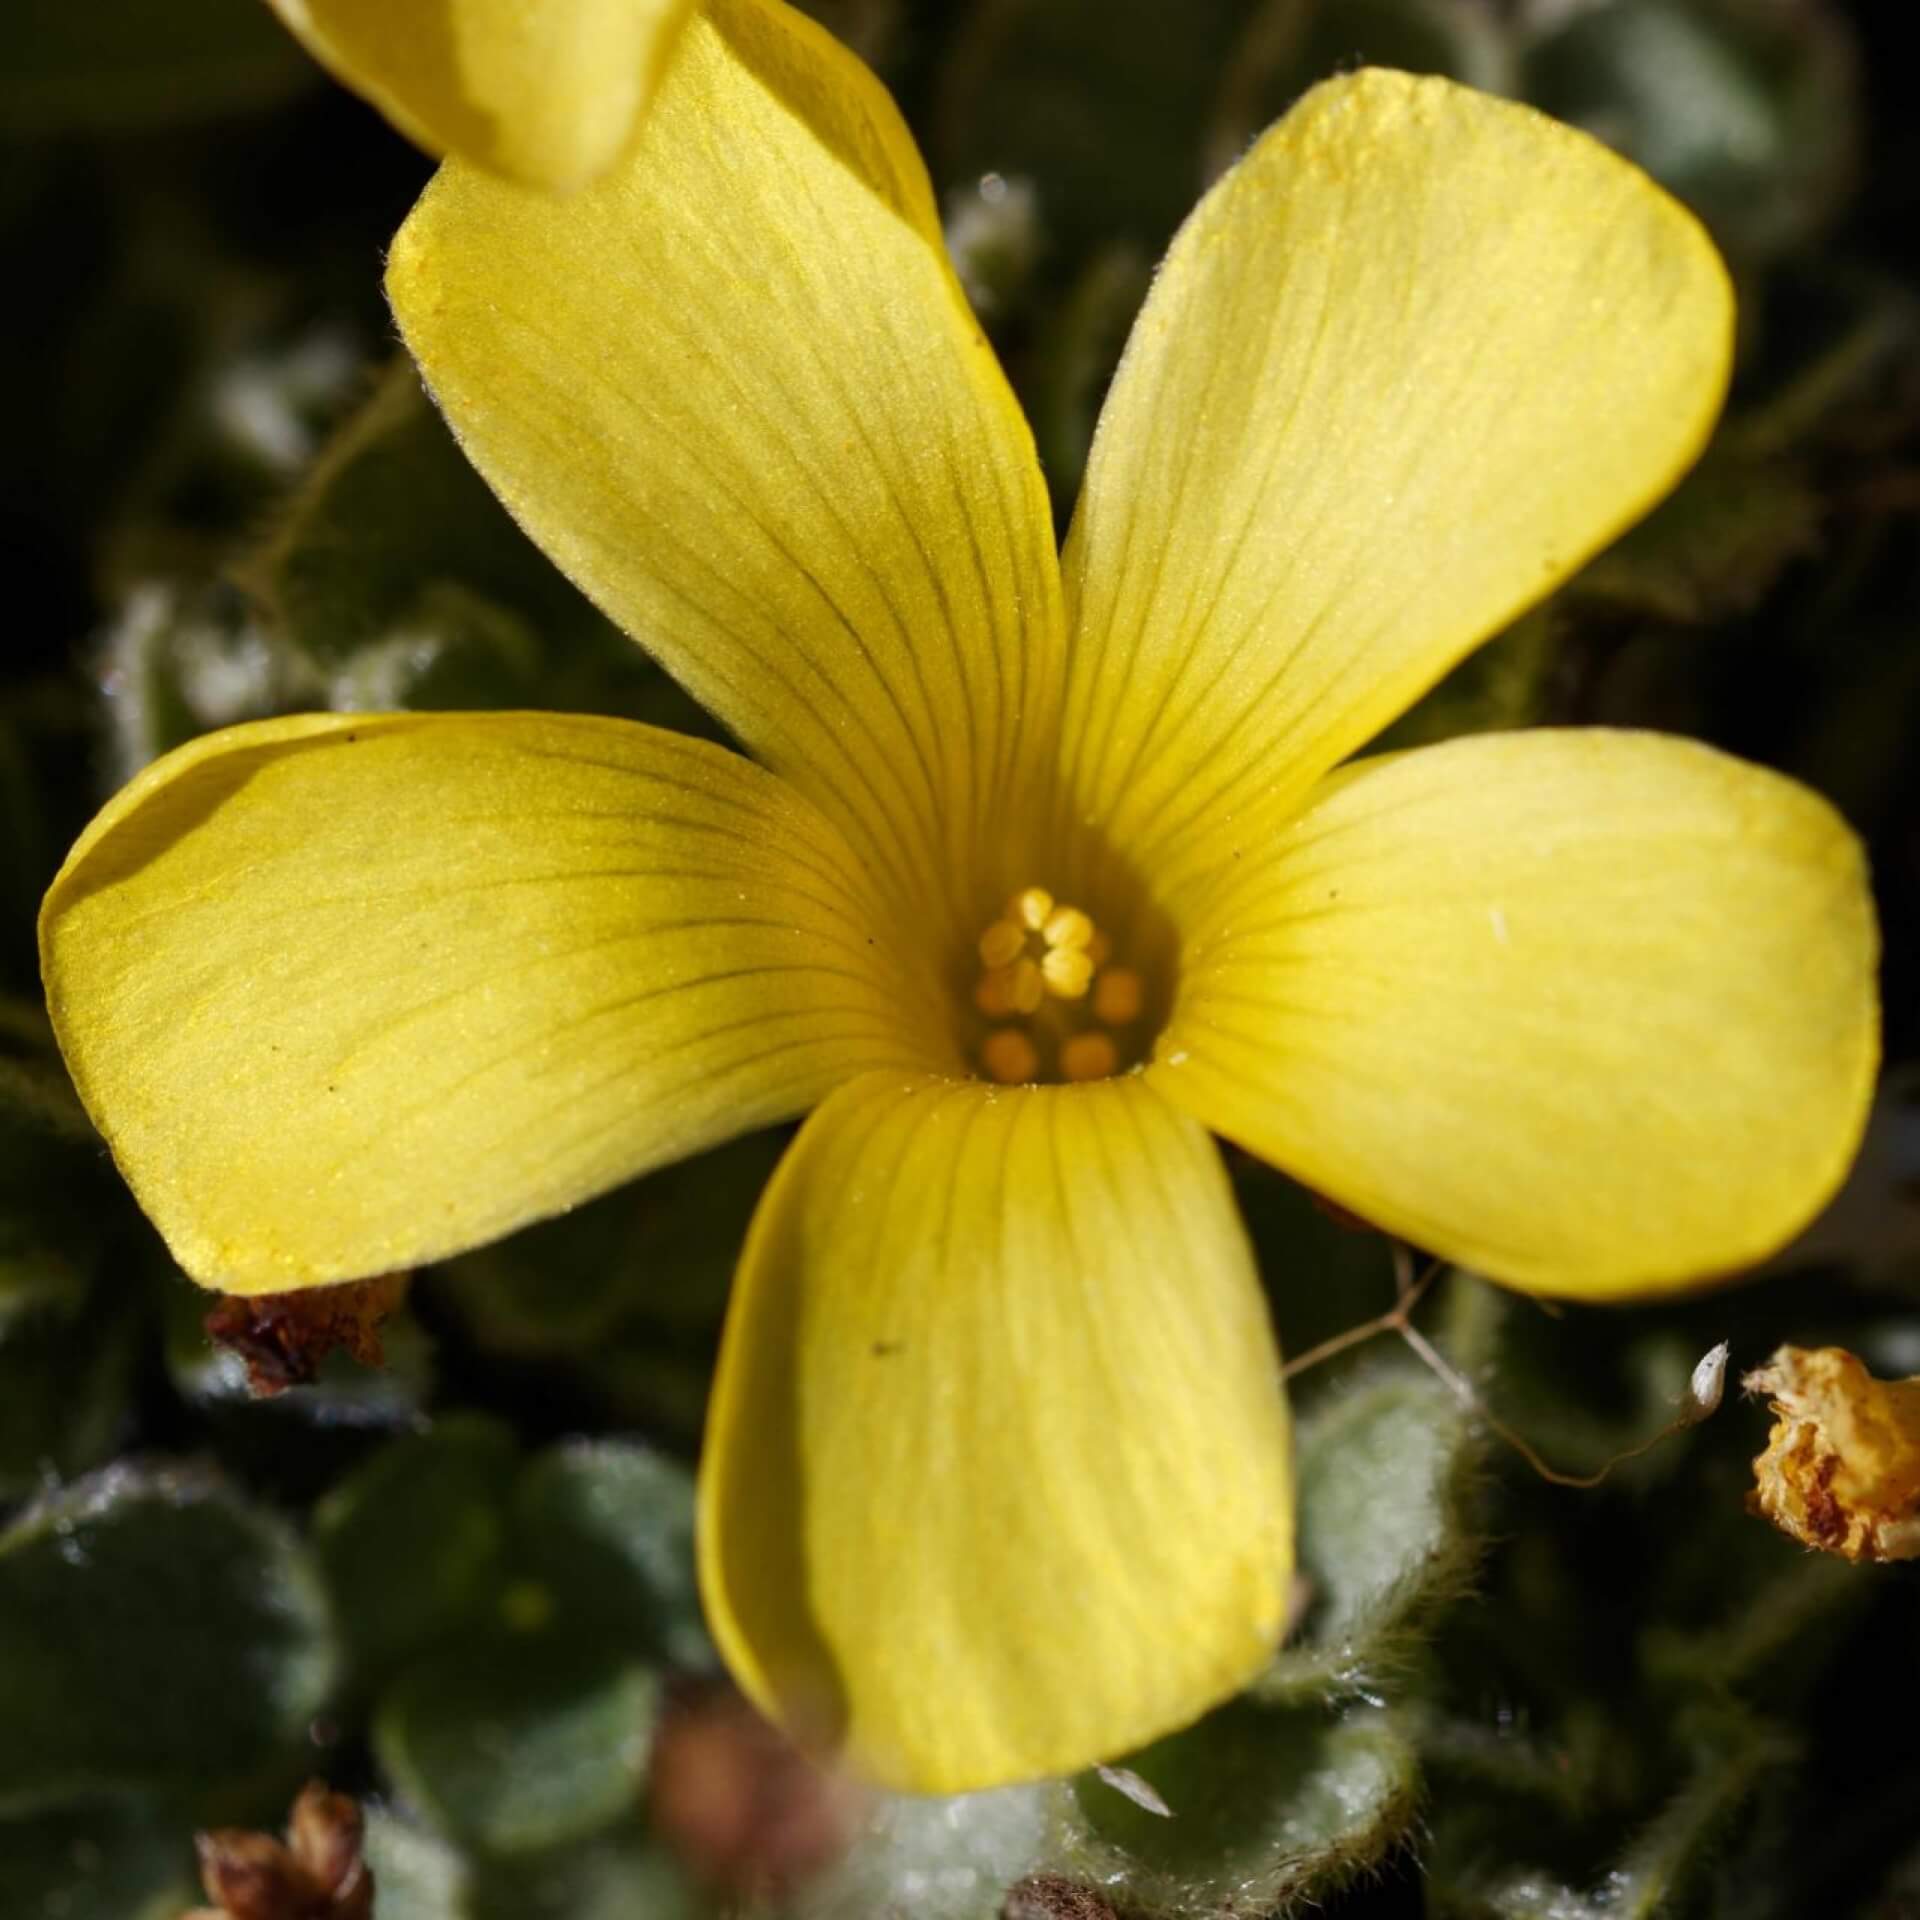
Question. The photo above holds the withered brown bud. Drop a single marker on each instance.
(251, 1876)
(317, 1874)
(326, 1835)
(742, 1807)
(283, 1337)
(1051, 1896)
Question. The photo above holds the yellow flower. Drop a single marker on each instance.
(996, 1479)
(547, 92)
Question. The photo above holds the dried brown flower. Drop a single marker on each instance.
(1841, 1472)
(283, 1337)
(317, 1873)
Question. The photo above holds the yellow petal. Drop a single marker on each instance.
(349, 993)
(1407, 366)
(735, 392)
(1591, 1012)
(996, 1478)
(546, 94)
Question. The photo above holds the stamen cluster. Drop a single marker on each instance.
(1046, 970)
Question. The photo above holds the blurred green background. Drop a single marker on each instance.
(461, 1586)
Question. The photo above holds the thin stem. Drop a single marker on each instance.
(1408, 1293)
(1340, 1342)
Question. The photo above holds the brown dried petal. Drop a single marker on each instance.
(251, 1876)
(325, 1833)
(319, 1876)
(283, 1337)
(353, 1898)
(1841, 1472)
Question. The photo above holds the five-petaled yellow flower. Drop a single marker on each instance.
(996, 1479)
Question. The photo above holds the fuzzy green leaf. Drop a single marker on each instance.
(416, 1875)
(1385, 1466)
(413, 1543)
(521, 1743)
(607, 1528)
(157, 1632)
(944, 1859)
(622, 1875)
(1265, 1805)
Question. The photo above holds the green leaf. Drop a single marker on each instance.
(521, 1743)
(607, 1528)
(416, 1875)
(618, 1876)
(944, 1859)
(1735, 1753)
(1481, 1863)
(116, 64)
(158, 1632)
(1385, 1465)
(1266, 1805)
(109, 1862)
(413, 1543)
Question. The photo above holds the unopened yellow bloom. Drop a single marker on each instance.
(547, 92)
(996, 1481)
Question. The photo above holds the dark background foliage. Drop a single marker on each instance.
(460, 1586)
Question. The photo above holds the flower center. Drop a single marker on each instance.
(1058, 1007)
